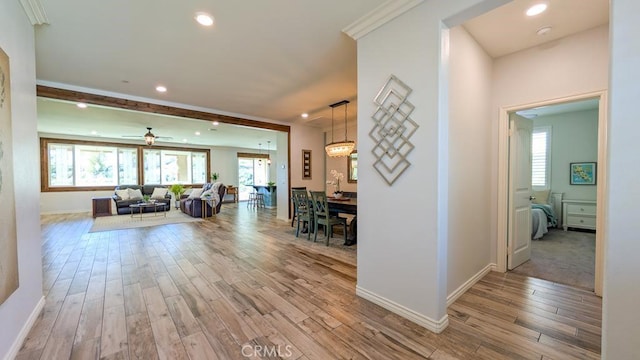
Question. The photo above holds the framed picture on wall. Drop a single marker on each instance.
(352, 167)
(306, 164)
(582, 173)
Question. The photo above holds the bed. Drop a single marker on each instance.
(543, 215)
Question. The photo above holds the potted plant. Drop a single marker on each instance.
(177, 190)
(271, 185)
(337, 193)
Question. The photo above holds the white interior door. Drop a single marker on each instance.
(520, 191)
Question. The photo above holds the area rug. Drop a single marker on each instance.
(119, 222)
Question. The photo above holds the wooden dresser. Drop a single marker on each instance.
(580, 214)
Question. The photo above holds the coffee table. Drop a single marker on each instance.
(141, 206)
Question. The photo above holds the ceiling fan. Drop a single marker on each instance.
(149, 138)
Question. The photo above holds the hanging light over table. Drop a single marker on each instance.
(340, 148)
(269, 152)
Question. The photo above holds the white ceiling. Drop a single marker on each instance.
(507, 29)
(261, 59)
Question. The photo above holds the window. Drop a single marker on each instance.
(541, 157)
(90, 165)
(83, 165)
(174, 166)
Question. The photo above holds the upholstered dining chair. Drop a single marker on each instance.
(321, 216)
(304, 212)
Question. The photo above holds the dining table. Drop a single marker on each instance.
(346, 205)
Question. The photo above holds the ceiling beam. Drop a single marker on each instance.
(103, 100)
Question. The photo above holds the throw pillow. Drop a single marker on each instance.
(159, 193)
(541, 197)
(135, 194)
(195, 194)
(123, 194)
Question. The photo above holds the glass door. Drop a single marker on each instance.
(251, 171)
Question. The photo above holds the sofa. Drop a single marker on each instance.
(191, 204)
(123, 197)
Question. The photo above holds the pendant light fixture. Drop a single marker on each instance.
(339, 148)
(269, 152)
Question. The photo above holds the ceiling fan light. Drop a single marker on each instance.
(149, 138)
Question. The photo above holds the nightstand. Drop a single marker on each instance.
(580, 214)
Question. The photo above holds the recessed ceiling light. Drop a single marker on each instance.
(197, 132)
(543, 30)
(161, 88)
(215, 123)
(94, 132)
(81, 105)
(536, 9)
(305, 115)
(204, 19)
(184, 140)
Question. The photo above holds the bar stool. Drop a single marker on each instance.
(253, 198)
(259, 200)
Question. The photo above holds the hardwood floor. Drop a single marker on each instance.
(241, 285)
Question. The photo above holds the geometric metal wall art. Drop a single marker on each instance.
(392, 129)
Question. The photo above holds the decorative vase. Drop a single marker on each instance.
(337, 195)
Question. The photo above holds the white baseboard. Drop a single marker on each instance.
(59, 212)
(13, 351)
(469, 283)
(437, 326)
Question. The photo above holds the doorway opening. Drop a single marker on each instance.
(251, 171)
(562, 251)
(576, 129)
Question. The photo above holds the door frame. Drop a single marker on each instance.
(503, 178)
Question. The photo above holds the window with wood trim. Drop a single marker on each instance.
(74, 165)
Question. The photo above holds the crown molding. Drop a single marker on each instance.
(35, 12)
(379, 16)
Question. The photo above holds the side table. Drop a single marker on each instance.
(101, 206)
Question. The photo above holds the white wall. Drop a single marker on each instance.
(469, 247)
(402, 265)
(17, 40)
(574, 138)
(308, 138)
(620, 331)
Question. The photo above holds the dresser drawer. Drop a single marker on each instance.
(586, 209)
(581, 221)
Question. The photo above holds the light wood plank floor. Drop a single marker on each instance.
(241, 285)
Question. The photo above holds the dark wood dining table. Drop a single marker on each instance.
(346, 206)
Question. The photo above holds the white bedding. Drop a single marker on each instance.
(538, 224)
(542, 217)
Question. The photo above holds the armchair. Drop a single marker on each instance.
(192, 205)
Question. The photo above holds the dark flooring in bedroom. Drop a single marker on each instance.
(565, 257)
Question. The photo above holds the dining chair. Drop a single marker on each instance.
(295, 211)
(304, 212)
(321, 216)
